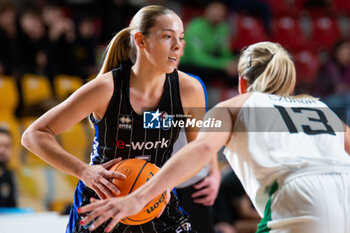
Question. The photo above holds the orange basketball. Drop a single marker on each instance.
(137, 172)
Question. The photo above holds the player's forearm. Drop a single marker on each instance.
(214, 164)
(45, 146)
(182, 166)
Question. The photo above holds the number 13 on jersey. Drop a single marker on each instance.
(312, 120)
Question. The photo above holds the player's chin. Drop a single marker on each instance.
(167, 70)
(171, 65)
(170, 68)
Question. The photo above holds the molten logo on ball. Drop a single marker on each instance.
(157, 204)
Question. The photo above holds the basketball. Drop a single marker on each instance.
(137, 172)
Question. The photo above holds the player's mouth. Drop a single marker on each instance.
(173, 58)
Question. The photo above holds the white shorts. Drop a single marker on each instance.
(318, 203)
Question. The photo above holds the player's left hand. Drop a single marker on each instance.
(208, 189)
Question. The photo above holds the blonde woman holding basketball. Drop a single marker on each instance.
(138, 75)
(290, 153)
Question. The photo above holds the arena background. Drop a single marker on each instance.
(39, 69)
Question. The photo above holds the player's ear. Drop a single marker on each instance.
(139, 40)
(243, 85)
(292, 89)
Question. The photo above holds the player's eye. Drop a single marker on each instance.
(166, 36)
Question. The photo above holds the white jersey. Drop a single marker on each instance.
(277, 137)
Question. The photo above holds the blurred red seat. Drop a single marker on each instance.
(281, 8)
(189, 12)
(288, 33)
(278, 7)
(307, 64)
(342, 5)
(249, 30)
(325, 31)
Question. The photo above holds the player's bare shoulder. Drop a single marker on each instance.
(102, 82)
(191, 89)
(96, 93)
(236, 101)
(234, 104)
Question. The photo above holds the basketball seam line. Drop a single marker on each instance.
(142, 219)
(137, 177)
(119, 165)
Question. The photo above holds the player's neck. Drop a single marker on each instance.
(146, 77)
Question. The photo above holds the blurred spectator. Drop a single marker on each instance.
(334, 76)
(61, 35)
(233, 211)
(116, 15)
(207, 52)
(84, 48)
(7, 185)
(333, 82)
(34, 44)
(10, 52)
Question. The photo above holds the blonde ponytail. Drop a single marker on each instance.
(118, 51)
(268, 68)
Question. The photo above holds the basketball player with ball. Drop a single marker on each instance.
(138, 76)
(291, 153)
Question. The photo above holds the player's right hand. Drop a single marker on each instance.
(115, 209)
(99, 178)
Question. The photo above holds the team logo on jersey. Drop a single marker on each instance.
(144, 157)
(148, 145)
(156, 120)
(125, 122)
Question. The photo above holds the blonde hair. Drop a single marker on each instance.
(268, 68)
(122, 47)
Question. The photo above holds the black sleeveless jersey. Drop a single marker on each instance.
(121, 132)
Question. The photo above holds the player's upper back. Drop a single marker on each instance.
(278, 135)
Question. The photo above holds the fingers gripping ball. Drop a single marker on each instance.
(137, 172)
